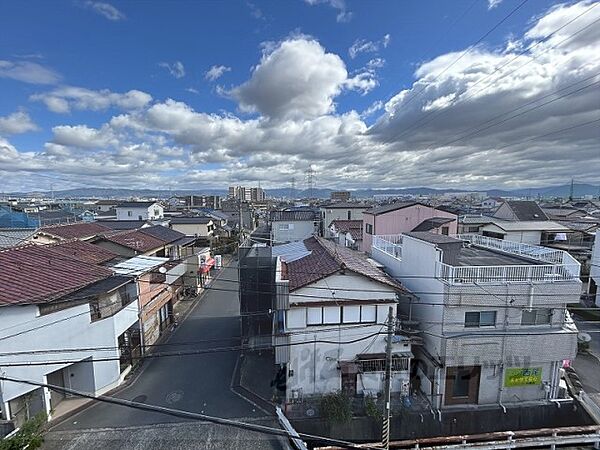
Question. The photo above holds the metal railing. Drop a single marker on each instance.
(537, 252)
(390, 244)
(514, 274)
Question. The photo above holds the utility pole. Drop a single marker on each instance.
(385, 433)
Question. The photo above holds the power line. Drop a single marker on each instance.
(186, 414)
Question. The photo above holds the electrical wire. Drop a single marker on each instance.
(188, 414)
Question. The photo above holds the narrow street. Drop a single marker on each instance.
(198, 383)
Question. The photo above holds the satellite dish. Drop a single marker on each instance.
(162, 270)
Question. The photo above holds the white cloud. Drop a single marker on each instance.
(365, 46)
(255, 11)
(28, 72)
(17, 123)
(82, 136)
(343, 14)
(176, 69)
(64, 99)
(363, 82)
(293, 90)
(376, 63)
(106, 10)
(192, 90)
(216, 72)
(493, 3)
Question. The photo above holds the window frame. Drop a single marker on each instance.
(478, 323)
(541, 312)
(369, 228)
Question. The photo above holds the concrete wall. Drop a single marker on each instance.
(193, 229)
(297, 231)
(136, 212)
(331, 214)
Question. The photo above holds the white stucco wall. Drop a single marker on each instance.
(67, 329)
(297, 231)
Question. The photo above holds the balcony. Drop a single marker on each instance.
(488, 260)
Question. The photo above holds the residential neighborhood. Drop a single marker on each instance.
(300, 224)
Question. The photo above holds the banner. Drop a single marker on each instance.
(530, 376)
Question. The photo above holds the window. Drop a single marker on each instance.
(314, 316)
(331, 315)
(349, 215)
(536, 317)
(286, 226)
(129, 213)
(445, 230)
(351, 314)
(480, 319)
(368, 313)
(369, 228)
(378, 365)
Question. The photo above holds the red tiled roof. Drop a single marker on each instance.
(39, 274)
(75, 230)
(326, 258)
(135, 240)
(84, 251)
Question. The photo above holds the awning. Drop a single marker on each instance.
(207, 265)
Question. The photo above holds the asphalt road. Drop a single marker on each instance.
(198, 383)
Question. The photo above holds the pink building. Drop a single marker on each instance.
(402, 217)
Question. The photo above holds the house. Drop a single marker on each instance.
(332, 306)
(56, 233)
(131, 243)
(595, 271)
(139, 211)
(493, 316)
(472, 223)
(341, 211)
(402, 217)
(520, 210)
(339, 196)
(105, 205)
(527, 231)
(347, 233)
(200, 227)
(564, 213)
(11, 237)
(492, 202)
(155, 293)
(61, 307)
(293, 225)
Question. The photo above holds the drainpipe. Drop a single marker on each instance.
(503, 355)
(530, 302)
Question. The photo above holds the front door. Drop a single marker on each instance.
(349, 384)
(462, 385)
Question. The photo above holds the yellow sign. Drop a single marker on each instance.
(530, 376)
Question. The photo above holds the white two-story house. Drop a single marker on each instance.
(329, 334)
(492, 314)
(140, 211)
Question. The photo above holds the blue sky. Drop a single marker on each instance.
(65, 69)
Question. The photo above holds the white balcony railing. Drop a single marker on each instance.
(390, 244)
(500, 274)
(545, 254)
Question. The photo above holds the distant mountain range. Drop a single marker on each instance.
(579, 190)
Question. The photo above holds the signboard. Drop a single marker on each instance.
(516, 377)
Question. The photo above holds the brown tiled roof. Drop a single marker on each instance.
(344, 226)
(135, 240)
(84, 251)
(39, 274)
(75, 230)
(327, 258)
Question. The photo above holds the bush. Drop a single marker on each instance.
(29, 436)
(336, 407)
(371, 407)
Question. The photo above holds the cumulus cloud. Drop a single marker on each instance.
(106, 10)
(17, 123)
(492, 120)
(216, 72)
(64, 99)
(176, 69)
(297, 79)
(28, 72)
(365, 46)
(343, 14)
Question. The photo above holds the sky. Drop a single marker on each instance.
(469, 94)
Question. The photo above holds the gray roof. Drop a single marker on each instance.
(526, 210)
(389, 208)
(9, 237)
(135, 204)
(432, 237)
(123, 224)
(529, 225)
(291, 252)
(101, 287)
(345, 205)
(163, 233)
(432, 223)
(190, 220)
